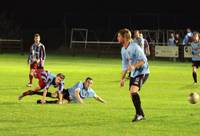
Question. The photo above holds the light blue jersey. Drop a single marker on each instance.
(134, 53)
(124, 57)
(195, 51)
(84, 93)
(139, 41)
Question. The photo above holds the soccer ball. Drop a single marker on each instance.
(193, 97)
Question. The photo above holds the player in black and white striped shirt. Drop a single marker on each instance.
(36, 57)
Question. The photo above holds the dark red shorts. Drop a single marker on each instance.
(33, 66)
(42, 84)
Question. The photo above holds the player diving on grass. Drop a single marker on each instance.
(36, 57)
(135, 61)
(45, 80)
(76, 93)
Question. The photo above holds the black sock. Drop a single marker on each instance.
(49, 102)
(29, 92)
(52, 102)
(136, 101)
(48, 94)
(38, 93)
(194, 74)
(41, 93)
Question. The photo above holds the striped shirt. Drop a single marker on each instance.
(37, 52)
(51, 81)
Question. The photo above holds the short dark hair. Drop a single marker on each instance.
(36, 35)
(88, 78)
(61, 75)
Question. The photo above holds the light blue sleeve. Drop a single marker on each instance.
(124, 60)
(139, 54)
(91, 93)
(79, 85)
(124, 65)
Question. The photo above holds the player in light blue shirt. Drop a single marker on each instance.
(135, 61)
(195, 55)
(83, 90)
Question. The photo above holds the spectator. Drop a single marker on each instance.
(188, 37)
(171, 40)
(136, 37)
(177, 39)
(145, 44)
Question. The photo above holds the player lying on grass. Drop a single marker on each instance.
(76, 93)
(45, 80)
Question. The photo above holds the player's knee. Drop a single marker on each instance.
(134, 89)
(30, 92)
(194, 69)
(31, 73)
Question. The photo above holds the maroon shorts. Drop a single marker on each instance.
(33, 66)
(41, 83)
(36, 66)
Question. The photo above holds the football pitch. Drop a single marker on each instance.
(163, 96)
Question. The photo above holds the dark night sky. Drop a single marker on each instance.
(51, 13)
(102, 17)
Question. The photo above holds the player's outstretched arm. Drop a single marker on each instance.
(60, 98)
(77, 95)
(98, 98)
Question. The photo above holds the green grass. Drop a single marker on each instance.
(164, 99)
